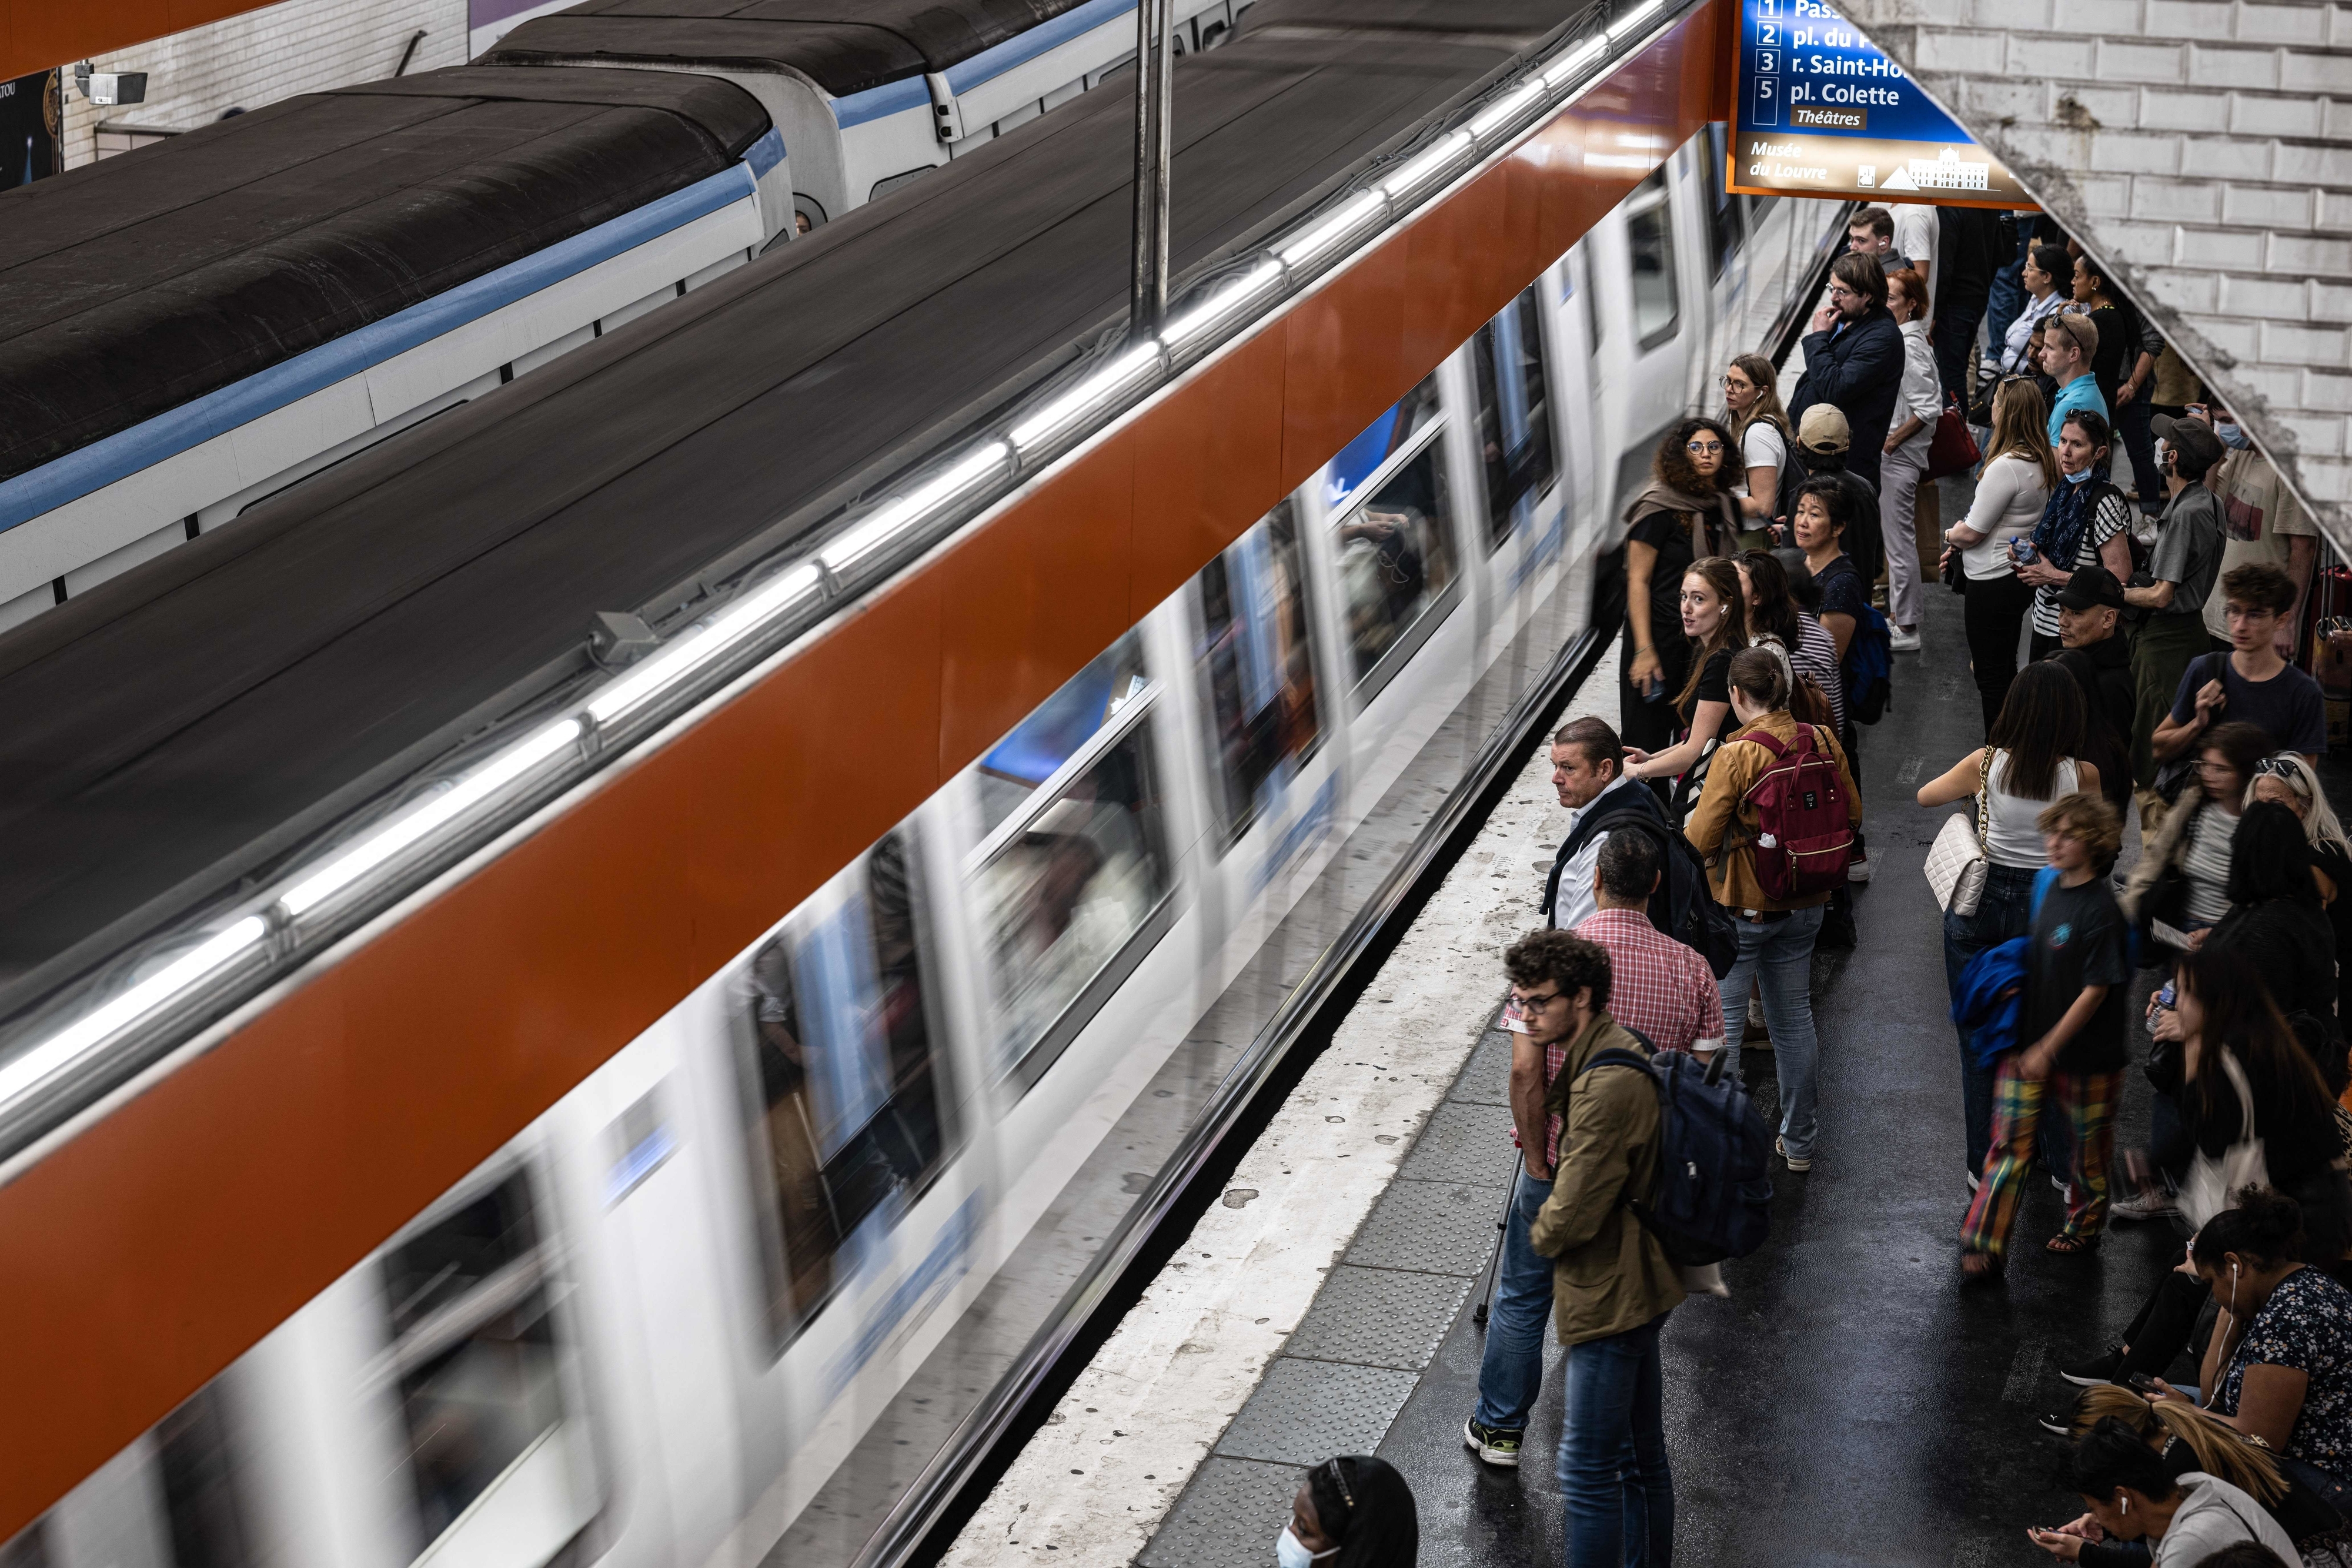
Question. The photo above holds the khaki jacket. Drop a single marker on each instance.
(1610, 1275)
(1731, 869)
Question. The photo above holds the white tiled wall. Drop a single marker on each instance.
(261, 56)
(2202, 149)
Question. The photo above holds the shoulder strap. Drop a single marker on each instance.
(1771, 743)
(1984, 798)
(2237, 1075)
(1615, 1056)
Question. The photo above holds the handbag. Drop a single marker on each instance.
(1953, 448)
(2214, 1184)
(1957, 866)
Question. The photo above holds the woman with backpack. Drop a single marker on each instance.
(1776, 823)
(1715, 624)
(1751, 402)
(1685, 513)
(2032, 757)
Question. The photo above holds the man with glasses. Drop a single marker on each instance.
(2252, 683)
(1616, 1485)
(2068, 341)
(1853, 362)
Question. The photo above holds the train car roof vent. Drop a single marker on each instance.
(617, 640)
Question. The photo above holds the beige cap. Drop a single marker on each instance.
(1824, 429)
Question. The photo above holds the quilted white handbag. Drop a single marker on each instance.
(1955, 861)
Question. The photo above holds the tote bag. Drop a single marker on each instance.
(2214, 1184)
(1957, 866)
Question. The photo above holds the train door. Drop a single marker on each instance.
(1576, 335)
(1651, 325)
(1387, 522)
(1519, 524)
(1274, 793)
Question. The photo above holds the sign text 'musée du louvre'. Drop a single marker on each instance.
(1824, 112)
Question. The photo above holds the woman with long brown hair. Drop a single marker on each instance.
(1685, 513)
(1715, 621)
(2013, 489)
(1751, 401)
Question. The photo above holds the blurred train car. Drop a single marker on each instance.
(764, 1284)
(188, 333)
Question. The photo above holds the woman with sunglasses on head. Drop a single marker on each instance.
(2274, 919)
(1685, 513)
(1751, 401)
(2088, 522)
(2013, 489)
(2288, 781)
(1354, 1512)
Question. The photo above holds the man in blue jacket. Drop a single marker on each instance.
(1853, 360)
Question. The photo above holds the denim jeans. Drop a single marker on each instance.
(2007, 300)
(1780, 955)
(1615, 1486)
(1510, 1373)
(2000, 914)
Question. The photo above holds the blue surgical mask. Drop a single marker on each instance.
(1291, 1553)
(2232, 436)
(2085, 476)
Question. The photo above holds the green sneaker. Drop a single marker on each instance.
(1492, 1443)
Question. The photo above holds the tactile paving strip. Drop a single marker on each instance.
(1468, 1144)
(1306, 1411)
(1487, 1079)
(1436, 1226)
(1229, 1516)
(1380, 1317)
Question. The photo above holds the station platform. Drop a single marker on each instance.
(1852, 1402)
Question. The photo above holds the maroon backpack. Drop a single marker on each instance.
(1804, 836)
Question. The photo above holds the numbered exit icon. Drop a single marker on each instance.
(1767, 107)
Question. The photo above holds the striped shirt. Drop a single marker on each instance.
(2113, 518)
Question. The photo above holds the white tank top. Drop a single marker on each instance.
(2011, 836)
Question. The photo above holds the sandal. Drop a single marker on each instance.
(2066, 1244)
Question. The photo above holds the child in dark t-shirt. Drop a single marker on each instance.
(2071, 1035)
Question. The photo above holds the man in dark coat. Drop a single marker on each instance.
(1853, 360)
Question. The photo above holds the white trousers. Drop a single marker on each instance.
(1900, 474)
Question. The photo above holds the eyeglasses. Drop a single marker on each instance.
(1538, 1002)
(1730, 382)
(1839, 291)
(1704, 448)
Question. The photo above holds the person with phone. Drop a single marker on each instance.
(2129, 1495)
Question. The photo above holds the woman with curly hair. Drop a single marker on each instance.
(1684, 514)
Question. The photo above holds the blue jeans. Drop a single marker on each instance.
(2001, 915)
(1615, 1486)
(1779, 952)
(2007, 300)
(1510, 1373)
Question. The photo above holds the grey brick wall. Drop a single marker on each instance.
(2203, 148)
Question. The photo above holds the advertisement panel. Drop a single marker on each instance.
(1824, 112)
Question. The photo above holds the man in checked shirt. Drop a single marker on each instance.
(1657, 987)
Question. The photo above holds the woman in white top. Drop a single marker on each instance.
(1751, 401)
(2047, 268)
(2013, 489)
(2034, 758)
(1903, 468)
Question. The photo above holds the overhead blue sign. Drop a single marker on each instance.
(1824, 111)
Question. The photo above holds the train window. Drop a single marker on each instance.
(1650, 246)
(1515, 438)
(1257, 664)
(1726, 219)
(28, 1548)
(1395, 546)
(1073, 899)
(194, 1456)
(847, 1096)
(1380, 442)
(474, 1347)
(1039, 744)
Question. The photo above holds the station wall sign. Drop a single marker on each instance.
(1824, 112)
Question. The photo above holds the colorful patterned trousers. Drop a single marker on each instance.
(2087, 1101)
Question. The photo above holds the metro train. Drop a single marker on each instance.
(179, 423)
(733, 1298)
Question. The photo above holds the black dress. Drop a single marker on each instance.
(1642, 722)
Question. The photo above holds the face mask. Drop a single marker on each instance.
(2232, 436)
(2076, 478)
(1291, 1553)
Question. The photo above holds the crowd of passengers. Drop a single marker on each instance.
(2135, 655)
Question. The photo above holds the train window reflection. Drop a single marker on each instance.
(1257, 664)
(1070, 897)
(1396, 560)
(1650, 246)
(1507, 355)
(474, 1349)
(848, 1097)
(1014, 767)
(1382, 439)
(200, 1506)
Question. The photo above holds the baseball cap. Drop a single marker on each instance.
(2193, 436)
(2090, 586)
(1824, 429)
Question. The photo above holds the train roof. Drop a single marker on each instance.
(843, 45)
(133, 285)
(177, 727)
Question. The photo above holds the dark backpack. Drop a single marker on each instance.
(1713, 1198)
(1870, 669)
(1804, 830)
(1684, 906)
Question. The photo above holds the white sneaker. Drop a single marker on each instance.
(2143, 1206)
(1902, 641)
(1857, 871)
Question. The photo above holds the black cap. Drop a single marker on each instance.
(2092, 585)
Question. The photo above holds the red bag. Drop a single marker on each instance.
(1804, 834)
(1953, 448)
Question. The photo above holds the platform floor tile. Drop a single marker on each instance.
(1308, 1410)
